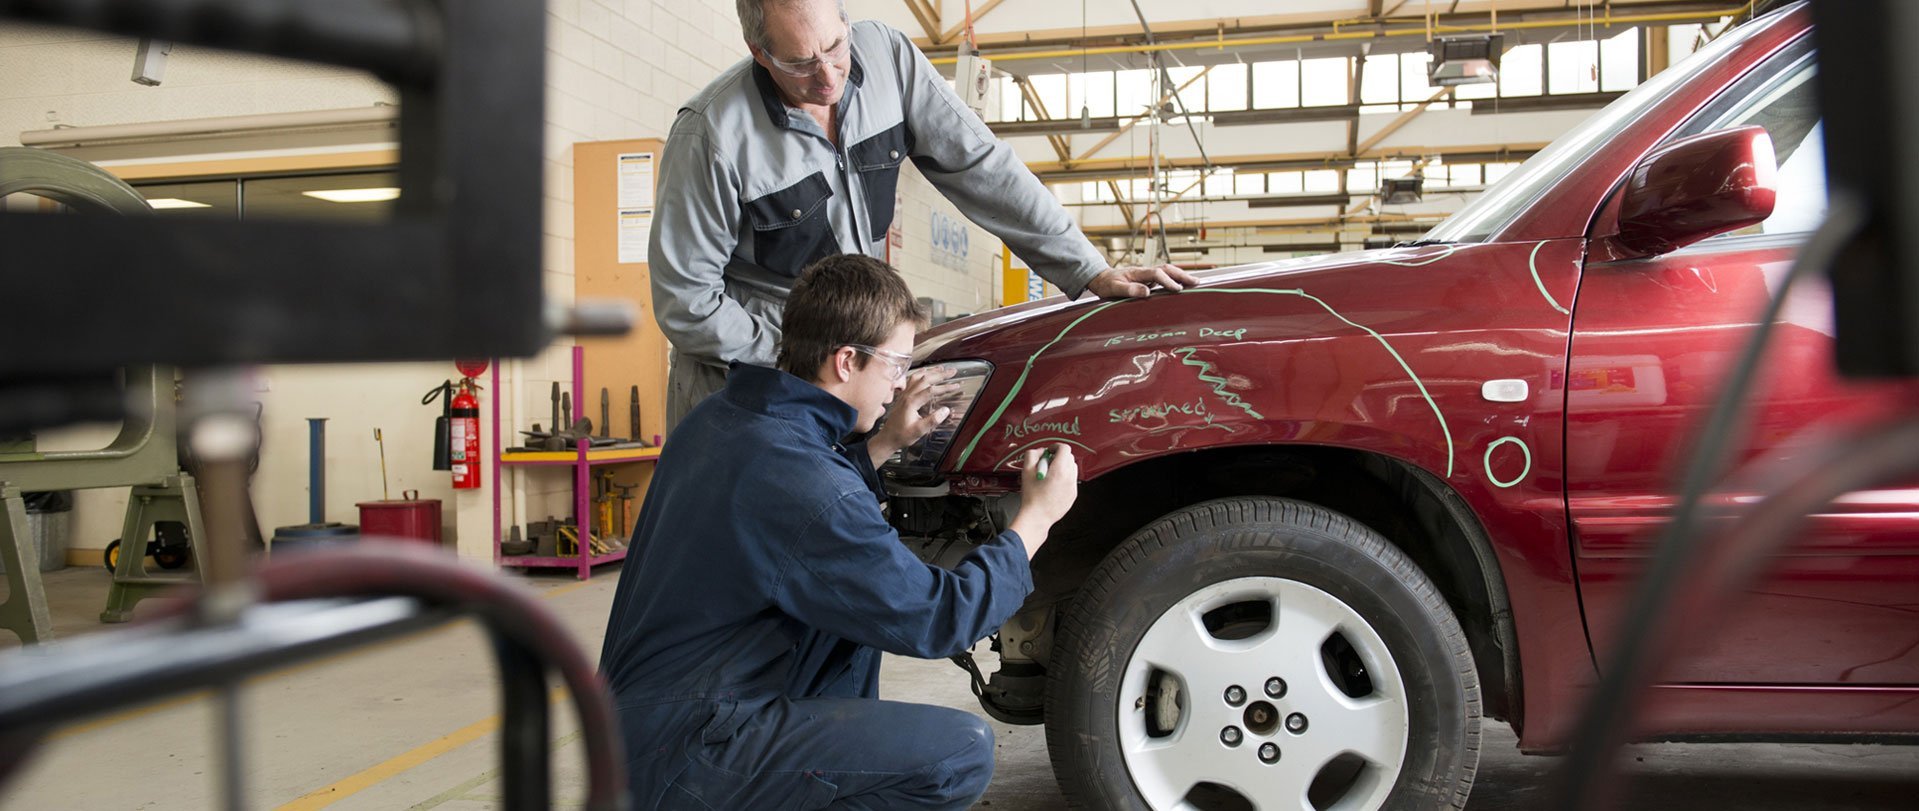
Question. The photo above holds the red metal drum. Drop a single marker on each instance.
(407, 518)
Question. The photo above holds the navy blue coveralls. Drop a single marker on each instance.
(743, 646)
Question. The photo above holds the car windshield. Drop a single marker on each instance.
(1499, 205)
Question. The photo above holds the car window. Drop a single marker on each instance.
(1779, 97)
(1498, 206)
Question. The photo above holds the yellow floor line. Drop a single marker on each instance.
(380, 772)
(481, 779)
(359, 781)
(184, 700)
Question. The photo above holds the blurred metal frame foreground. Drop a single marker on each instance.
(454, 273)
(313, 605)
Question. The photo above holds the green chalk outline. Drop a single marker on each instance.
(1533, 263)
(1219, 383)
(1488, 461)
(1022, 449)
(1403, 365)
(1017, 384)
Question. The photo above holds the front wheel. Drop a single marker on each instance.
(1261, 653)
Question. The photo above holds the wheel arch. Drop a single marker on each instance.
(1413, 508)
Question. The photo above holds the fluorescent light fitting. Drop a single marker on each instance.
(374, 195)
(174, 202)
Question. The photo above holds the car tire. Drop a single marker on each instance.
(1177, 636)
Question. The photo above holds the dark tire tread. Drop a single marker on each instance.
(1169, 530)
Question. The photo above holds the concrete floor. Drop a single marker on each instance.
(408, 725)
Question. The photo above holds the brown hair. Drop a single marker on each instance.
(846, 299)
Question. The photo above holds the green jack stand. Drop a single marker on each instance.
(176, 499)
(25, 611)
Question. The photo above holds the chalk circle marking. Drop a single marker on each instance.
(1489, 462)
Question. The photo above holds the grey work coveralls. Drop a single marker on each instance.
(752, 191)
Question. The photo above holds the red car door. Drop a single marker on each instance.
(1653, 338)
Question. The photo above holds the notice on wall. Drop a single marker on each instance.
(636, 180)
(636, 227)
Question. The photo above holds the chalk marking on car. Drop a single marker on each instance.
(1185, 354)
(1021, 382)
(1403, 365)
(1522, 473)
(1533, 262)
(1021, 449)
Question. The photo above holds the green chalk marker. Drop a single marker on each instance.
(1040, 471)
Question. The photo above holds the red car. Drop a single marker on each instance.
(1336, 511)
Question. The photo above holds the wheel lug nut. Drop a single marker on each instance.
(1235, 695)
(1276, 687)
(1296, 723)
(1230, 736)
(1269, 753)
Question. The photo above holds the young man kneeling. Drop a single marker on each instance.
(743, 647)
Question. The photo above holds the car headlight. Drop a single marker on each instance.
(918, 461)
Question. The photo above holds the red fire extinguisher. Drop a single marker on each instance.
(464, 448)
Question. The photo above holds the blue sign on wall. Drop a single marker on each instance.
(950, 241)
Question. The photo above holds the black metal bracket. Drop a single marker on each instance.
(318, 604)
(455, 273)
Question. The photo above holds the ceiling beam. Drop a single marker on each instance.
(1403, 119)
(1300, 115)
(1054, 126)
(1065, 151)
(1325, 22)
(1355, 75)
(1296, 200)
(1544, 103)
(1133, 166)
(1304, 222)
(1305, 29)
(950, 33)
(1235, 118)
(1134, 121)
(928, 17)
(1031, 95)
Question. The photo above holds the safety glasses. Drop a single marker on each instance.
(808, 67)
(896, 363)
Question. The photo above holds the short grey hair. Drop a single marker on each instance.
(753, 19)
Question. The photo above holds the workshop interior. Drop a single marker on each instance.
(1539, 430)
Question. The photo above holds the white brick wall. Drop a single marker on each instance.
(617, 69)
(614, 70)
(969, 289)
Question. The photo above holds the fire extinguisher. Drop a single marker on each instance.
(465, 445)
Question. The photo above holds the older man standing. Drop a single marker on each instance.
(795, 155)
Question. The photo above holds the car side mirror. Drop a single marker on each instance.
(1696, 187)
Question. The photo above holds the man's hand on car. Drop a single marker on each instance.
(1138, 282)
(905, 423)
(1049, 484)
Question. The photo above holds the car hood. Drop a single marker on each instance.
(976, 336)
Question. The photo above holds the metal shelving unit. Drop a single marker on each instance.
(582, 459)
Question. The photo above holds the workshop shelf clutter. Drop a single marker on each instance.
(603, 511)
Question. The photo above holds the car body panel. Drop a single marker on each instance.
(1399, 353)
(1652, 343)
